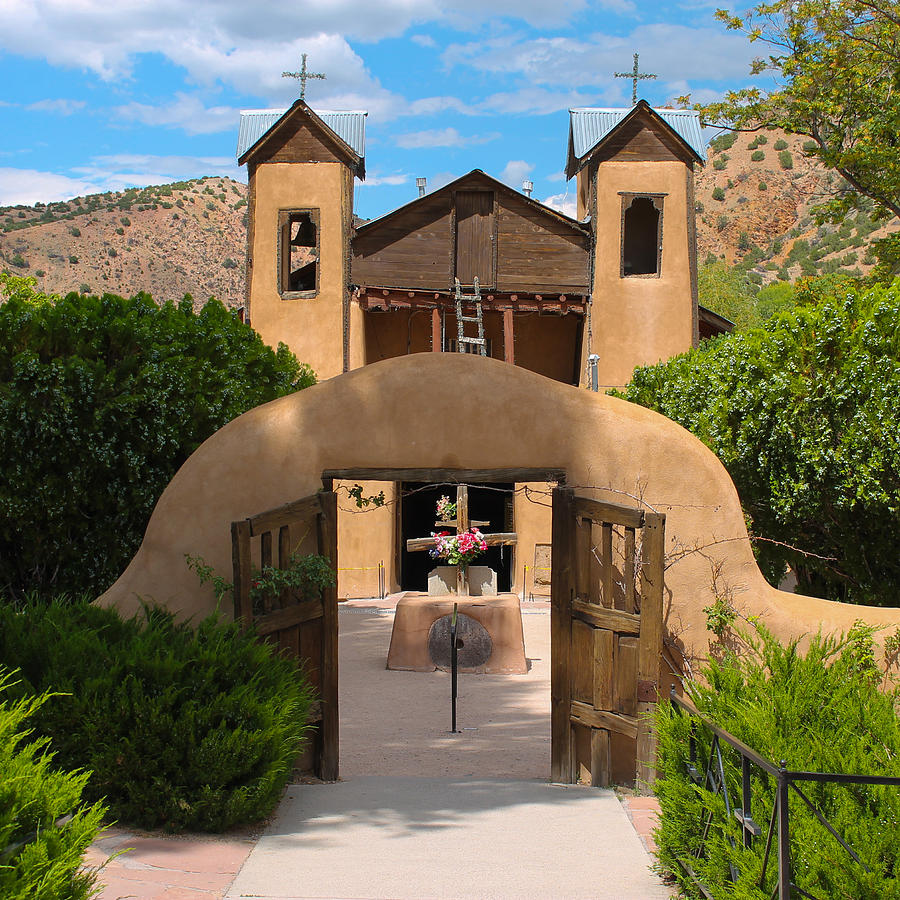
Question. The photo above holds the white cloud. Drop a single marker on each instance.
(534, 101)
(562, 203)
(442, 137)
(557, 176)
(108, 173)
(424, 40)
(61, 106)
(376, 180)
(185, 112)
(29, 186)
(515, 171)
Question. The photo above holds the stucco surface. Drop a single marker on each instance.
(407, 412)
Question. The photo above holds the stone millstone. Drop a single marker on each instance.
(474, 644)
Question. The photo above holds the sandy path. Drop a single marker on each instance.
(398, 723)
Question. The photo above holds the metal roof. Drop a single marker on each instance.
(588, 126)
(348, 125)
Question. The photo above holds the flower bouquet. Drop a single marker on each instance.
(458, 549)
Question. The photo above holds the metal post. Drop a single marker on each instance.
(745, 799)
(593, 360)
(453, 669)
(784, 836)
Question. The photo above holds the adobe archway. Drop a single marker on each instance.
(466, 412)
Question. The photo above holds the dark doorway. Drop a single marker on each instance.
(487, 502)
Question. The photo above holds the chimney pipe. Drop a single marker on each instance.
(420, 184)
(527, 187)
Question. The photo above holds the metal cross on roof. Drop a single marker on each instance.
(635, 76)
(303, 76)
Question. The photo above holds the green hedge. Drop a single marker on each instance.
(181, 727)
(821, 710)
(101, 400)
(37, 859)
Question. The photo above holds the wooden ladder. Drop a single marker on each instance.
(470, 300)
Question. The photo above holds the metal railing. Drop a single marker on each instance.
(779, 821)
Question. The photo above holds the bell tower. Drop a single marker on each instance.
(635, 182)
(300, 168)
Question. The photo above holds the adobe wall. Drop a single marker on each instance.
(311, 327)
(406, 412)
(641, 319)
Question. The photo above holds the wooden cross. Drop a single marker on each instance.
(634, 75)
(303, 76)
(463, 523)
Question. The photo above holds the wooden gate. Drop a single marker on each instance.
(606, 639)
(307, 629)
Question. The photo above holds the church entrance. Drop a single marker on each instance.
(492, 503)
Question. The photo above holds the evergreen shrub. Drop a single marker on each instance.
(38, 859)
(182, 727)
(723, 141)
(819, 711)
(757, 156)
(101, 400)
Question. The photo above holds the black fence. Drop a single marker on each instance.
(713, 779)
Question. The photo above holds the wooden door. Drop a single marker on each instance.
(475, 237)
(307, 629)
(606, 639)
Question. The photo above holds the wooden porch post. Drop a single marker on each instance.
(509, 351)
(436, 342)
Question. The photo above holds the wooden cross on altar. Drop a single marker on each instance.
(463, 523)
(635, 75)
(303, 76)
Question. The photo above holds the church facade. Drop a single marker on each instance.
(474, 266)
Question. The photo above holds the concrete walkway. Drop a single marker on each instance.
(420, 812)
(381, 837)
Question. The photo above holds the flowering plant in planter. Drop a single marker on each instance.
(458, 549)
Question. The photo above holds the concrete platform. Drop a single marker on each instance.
(392, 837)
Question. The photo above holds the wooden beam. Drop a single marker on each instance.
(449, 476)
(288, 617)
(240, 561)
(613, 513)
(501, 538)
(601, 617)
(584, 714)
(328, 692)
(436, 339)
(562, 587)
(284, 515)
(509, 351)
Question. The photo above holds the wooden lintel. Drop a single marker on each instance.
(613, 513)
(551, 474)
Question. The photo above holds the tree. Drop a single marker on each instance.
(803, 413)
(836, 65)
(101, 400)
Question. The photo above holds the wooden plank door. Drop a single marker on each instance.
(606, 639)
(475, 237)
(304, 628)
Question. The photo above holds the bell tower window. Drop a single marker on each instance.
(641, 234)
(298, 253)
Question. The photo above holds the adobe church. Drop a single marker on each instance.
(475, 267)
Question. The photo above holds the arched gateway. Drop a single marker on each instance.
(617, 465)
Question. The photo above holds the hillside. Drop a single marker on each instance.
(753, 200)
(169, 240)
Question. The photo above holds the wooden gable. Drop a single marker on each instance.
(301, 136)
(476, 226)
(642, 137)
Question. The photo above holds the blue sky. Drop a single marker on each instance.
(98, 95)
